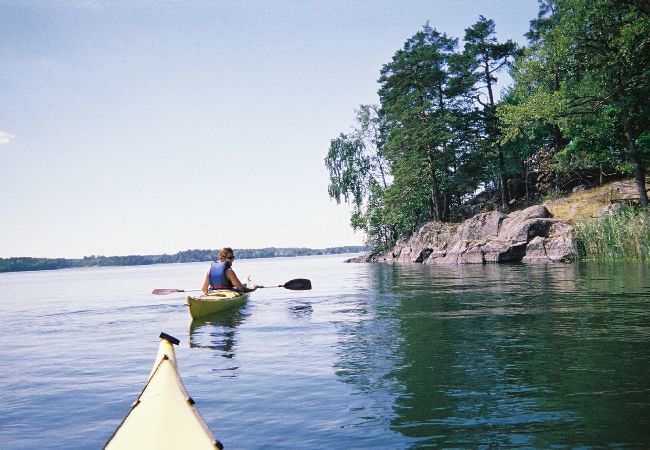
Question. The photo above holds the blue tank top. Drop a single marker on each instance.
(218, 278)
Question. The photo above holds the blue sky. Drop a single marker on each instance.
(146, 127)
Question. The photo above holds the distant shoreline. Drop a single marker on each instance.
(24, 264)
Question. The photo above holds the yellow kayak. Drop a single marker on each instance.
(163, 416)
(215, 301)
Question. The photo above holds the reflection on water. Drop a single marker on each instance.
(522, 355)
(300, 310)
(218, 333)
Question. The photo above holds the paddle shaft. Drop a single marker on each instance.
(172, 291)
(299, 284)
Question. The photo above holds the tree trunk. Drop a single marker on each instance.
(639, 174)
(524, 171)
(558, 139)
(494, 133)
(639, 177)
(447, 206)
(630, 137)
(435, 192)
(504, 181)
(600, 175)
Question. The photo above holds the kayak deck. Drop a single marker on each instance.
(163, 416)
(215, 301)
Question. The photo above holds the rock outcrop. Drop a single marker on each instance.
(493, 237)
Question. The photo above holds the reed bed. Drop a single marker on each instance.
(623, 235)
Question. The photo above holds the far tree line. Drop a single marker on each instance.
(577, 112)
(25, 263)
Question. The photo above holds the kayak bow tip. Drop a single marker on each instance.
(169, 338)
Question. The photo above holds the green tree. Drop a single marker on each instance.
(424, 94)
(588, 82)
(610, 54)
(488, 58)
(359, 173)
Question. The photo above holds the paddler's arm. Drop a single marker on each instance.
(206, 282)
(230, 274)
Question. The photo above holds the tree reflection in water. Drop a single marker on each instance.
(516, 355)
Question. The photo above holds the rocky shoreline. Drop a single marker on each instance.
(528, 235)
(522, 236)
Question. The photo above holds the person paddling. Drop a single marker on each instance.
(221, 276)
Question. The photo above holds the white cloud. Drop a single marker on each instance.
(5, 138)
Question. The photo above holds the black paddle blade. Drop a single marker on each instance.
(299, 284)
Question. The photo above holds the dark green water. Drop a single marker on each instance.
(527, 355)
(375, 356)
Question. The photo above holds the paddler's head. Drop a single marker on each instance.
(226, 254)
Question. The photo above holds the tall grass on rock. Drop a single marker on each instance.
(623, 235)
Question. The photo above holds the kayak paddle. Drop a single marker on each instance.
(172, 291)
(299, 284)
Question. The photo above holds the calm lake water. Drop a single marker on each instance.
(375, 356)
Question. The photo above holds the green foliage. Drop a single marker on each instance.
(523, 114)
(407, 200)
(349, 168)
(359, 174)
(579, 105)
(425, 95)
(619, 236)
(489, 57)
(553, 194)
(355, 161)
(376, 222)
(585, 78)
